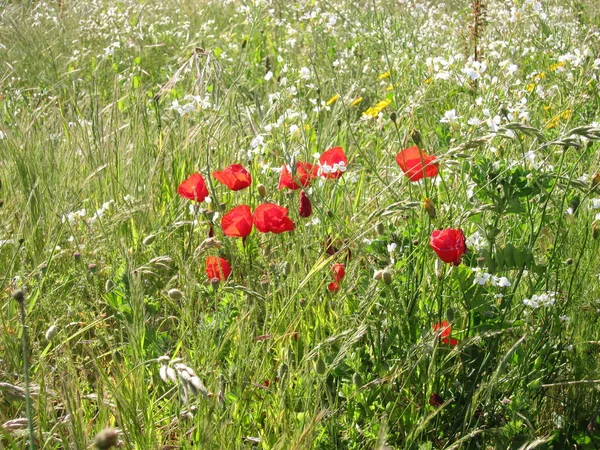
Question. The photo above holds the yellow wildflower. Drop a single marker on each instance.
(356, 101)
(333, 99)
(554, 67)
(383, 76)
(374, 111)
(428, 81)
(530, 87)
(540, 76)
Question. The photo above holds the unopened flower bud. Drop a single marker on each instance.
(51, 332)
(305, 208)
(357, 379)
(175, 294)
(387, 277)
(92, 267)
(19, 295)
(595, 180)
(380, 229)
(595, 231)
(77, 256)
(214, 282)
(107, 438)
(149, 239)
(416, 137)
(429, 208)
(569, 261)
(109, 285)
(287, 268)
(378, 275)
(320, 367)
(262, 190)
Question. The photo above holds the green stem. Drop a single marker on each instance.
(26, 375)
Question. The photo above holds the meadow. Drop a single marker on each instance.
(315, 224)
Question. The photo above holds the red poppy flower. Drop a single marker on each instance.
(339, 272)
(269, 217)
(237, 222)
(333, 287)
(436, 400)
(235, 177)
(305, 208)
(445, 334)
(193, 188)
(333, 163)
(217, 268)
(417, 164)
(305, 172)
(449, 244)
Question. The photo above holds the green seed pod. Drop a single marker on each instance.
(320, 367)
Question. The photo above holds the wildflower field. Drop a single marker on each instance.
(315, 224)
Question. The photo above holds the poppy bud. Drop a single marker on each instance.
(287, 268)
(436, 400)
(416, 137)
(305, 208)
(415, 242)
(575, 204)
(107, 438)
(450, 314)
(339, 123)
(19, 296)
(595, 180)
(357, 379)
(244, 43)
(569, 261)
(393, 117)
(380, 229)
(214, 282)
(320, 367)
(77, 256)
(175, 294)
(51, 332)
(378, 275)
(149, 239)
(262, 190)
(595, 231)
(429, 208)
(92, 267)
(387, 277)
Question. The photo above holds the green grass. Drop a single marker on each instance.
(89, 120)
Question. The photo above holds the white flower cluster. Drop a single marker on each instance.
(189, 383)
(483, 278)
(548, 299)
